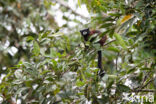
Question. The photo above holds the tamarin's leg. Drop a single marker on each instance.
(101, 73)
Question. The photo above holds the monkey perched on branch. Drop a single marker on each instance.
(86, 33)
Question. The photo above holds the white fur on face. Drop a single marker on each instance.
(85, 33)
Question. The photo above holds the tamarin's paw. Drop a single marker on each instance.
(101, 73)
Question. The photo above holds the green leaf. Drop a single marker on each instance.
(80, 83)
(107, 19)
(115, 14)
(19, 91)
(83, 76)
(132, 33)
(123, 88)
(155, 82)
(104, 33)
(30, 38)
(32, 72)
(120, 40)
(56, 91)
(28, 83)
(79, 3)
(59, 34)
(110, 84)
(48, 3)
(44, 35)
(112, 76)
(36, 49)
(111, 33)
(18, 81)
(106, 25)
(145, 69)
(131, 70)
(113, 49)
(28, 65)
(45, 72)
(18, 74)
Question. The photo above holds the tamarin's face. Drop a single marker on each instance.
(85, 32)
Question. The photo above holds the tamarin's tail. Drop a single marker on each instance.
(101, 73)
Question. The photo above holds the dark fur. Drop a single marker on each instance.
(86, 33)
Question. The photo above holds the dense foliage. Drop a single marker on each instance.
(45, 63)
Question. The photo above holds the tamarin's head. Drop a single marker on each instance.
(85, 33)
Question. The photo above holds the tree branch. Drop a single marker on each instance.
(144, 90)
(64, 4)
(141, 89)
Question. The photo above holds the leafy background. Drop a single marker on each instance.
(44, 60)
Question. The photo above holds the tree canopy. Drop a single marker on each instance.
(44, 59)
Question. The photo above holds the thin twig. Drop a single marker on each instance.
(64, 4)
(117, 61)
(147, 83)
(109, 42)
(145, 78)
(143, 81)
(115, 79)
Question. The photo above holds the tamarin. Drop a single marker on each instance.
(86, 33)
